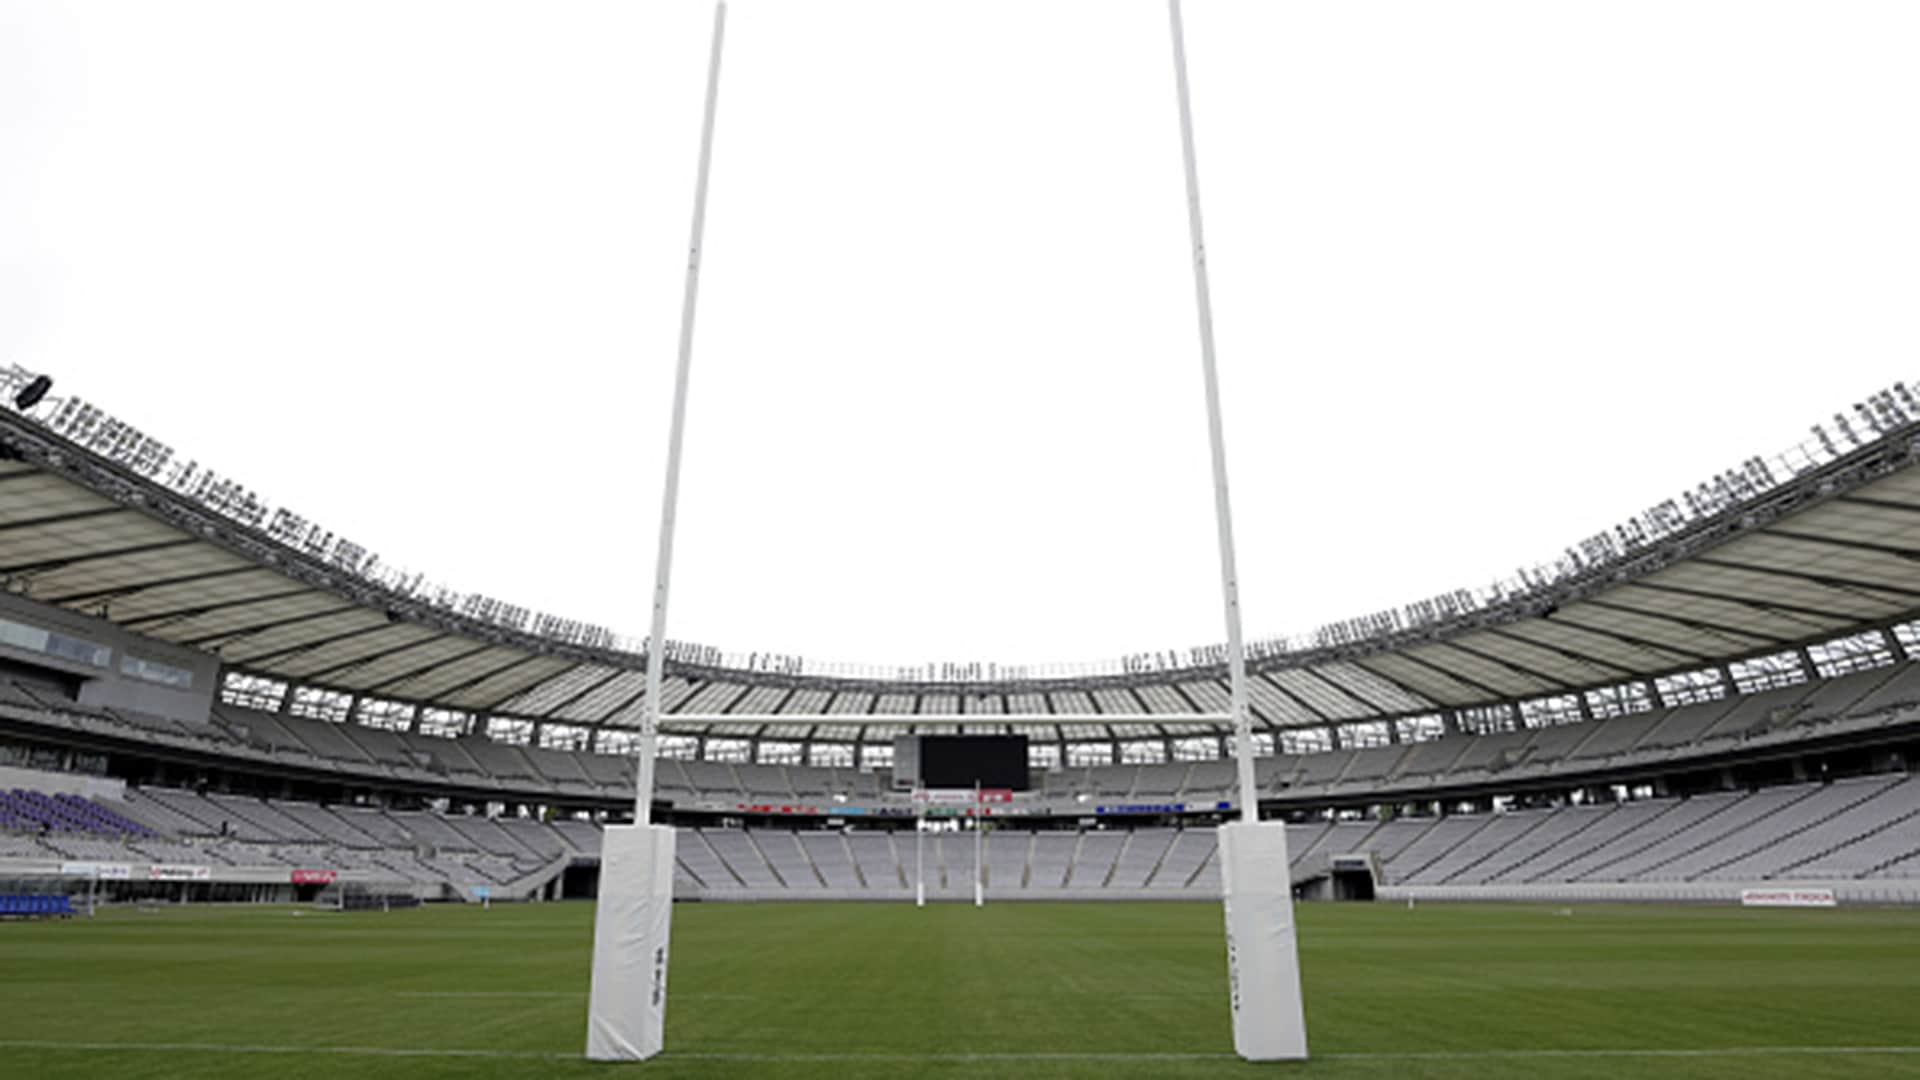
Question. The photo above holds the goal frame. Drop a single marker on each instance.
(634, 915)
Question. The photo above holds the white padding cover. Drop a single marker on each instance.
(1263, 963)
(626, 1016)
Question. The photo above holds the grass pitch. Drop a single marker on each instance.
(1047, 990)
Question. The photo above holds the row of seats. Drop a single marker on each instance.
(1172, 862)
(35, 906)
(176, 826)
(1865, 828)
(64, 812)
(1862, 828)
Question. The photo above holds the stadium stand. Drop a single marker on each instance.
(1007, 856)
(1640, 718)
(21, 809)
(1848, 830)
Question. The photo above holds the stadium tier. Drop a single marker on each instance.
(1861, 834)
(1878, 705)
(1721, 690)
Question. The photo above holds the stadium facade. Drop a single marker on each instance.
(1718, 693)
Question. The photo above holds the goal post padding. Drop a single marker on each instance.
(633, 919)
(1263, 959)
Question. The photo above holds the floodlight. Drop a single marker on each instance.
(31, 394)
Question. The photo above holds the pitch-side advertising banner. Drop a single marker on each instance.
(103, 871)
(962, 796)
(166, 872)
(313, 877)
(1787, 898)
(778, 808)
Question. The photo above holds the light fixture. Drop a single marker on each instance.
(29, 395)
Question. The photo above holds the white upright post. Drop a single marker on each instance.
(1262, 958)
(626, 1013)
(979, 848)
(920, 857)
(676, 436)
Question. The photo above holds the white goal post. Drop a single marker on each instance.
(634, 915)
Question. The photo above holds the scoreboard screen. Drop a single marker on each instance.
(960, 761)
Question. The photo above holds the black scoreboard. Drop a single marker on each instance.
(961, 761)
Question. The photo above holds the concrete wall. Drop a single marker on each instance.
(57, 783)
(108, 686)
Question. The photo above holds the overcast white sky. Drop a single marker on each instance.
(1489, 276)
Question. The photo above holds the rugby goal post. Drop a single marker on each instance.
(633, 918)
(974, 801)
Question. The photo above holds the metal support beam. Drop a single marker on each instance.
(1898, 551)
(1724, 631)
(61, 519)
(1512, 666)
(450, 692)
(367, 658)
(41, 566)
(197, 610)
(1879, 504)
(443, 662)
(1561, 621)
(134, 588)
(1790, 612)
(234, 633)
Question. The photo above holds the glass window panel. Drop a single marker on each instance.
(1306, 741)
(1365, 734)
(1551, 711)
(1423, 728)
(1486, 719)
(315, 703)
(1610, 701)
(1844, 656)
(386, 715)
(252, 691)
(505, 729)
(1080, 755)
(1691, 687)
(1768, 672)
(830, 755)
(1196, 748)
(445, 723)
(731, 750)
(564, 737)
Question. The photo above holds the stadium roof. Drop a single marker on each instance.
(1765, 559)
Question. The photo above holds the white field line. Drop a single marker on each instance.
(490, 993)
(558, 994)
(691, 996)
(855, 1056)
(236, 1048)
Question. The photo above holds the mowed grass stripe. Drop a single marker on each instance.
(1067, 990)
(1039, 1055)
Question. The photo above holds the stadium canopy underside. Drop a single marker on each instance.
(89, 526)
